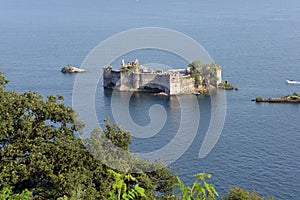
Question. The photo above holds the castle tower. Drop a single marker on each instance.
(123, 63)
(136, 63)
(219, 75)
(106, 76)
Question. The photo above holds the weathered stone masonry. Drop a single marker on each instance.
(133, 77)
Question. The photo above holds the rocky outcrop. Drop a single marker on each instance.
(71, 69)
(291, 98)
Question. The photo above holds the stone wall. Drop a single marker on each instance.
(158, 81)
(144, 81)
(175, 83)
(125, 82)
(180, 84)
(187, 84)
(111, 78)
(171, 82)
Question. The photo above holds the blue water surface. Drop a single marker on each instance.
(257, 43)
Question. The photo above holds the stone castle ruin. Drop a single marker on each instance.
(135, 77)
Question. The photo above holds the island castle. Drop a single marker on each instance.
(135, 77)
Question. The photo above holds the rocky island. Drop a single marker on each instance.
(291, 98)
(71, 69)
(197, 77)
(227, 86)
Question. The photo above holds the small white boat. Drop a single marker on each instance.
(196, 93)
(292, 82)
(161, 94)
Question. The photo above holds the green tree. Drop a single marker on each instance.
(40, 152)
(7, 194)
(199, 190)
(237, 193)
(38, 149)
(154, 177)
(3, 81)
(213, 73)
(206, 73)
(120, 190)
(195, 72)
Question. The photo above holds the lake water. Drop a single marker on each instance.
(257, 44)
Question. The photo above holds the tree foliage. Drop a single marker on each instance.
(154, 177)
(199, 190)
(3, 81)
(40, 152)
(237, 193)
(120, 190)
(38, 149)
(204, 74)
(7, 194)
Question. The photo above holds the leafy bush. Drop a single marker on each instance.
(237, 193)
(7, 194)
(121, 188)
(199, 190)
(258, 99)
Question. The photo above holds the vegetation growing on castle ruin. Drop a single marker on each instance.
(225, 85)
(204, 74)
